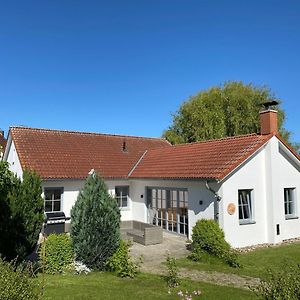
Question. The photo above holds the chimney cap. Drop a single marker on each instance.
(269, 104)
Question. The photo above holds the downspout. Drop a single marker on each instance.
(218, 198)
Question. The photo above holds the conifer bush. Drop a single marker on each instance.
(21, 213)
(95, 224)
(209, 238)
(27, 213)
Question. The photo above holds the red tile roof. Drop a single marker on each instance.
(57, 154)
(210, 159)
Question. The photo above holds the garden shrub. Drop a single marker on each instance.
(283, 284)
(16, 282)
(27, 208)
(56, 253)
(21, 213)
(6, 184)
(95, 224)
(209, 238)
(171, 277)
(121, 262)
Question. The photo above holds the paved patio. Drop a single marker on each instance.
(154, 255)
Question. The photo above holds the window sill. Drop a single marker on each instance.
(291, 217)
(247, 222)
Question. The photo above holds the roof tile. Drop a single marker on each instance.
(67, 154)
(209, 159)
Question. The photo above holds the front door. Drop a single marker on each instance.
(168, 208)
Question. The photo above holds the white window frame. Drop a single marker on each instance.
(290, 204)
(249, 204)
(53, 200)
(121, 197)
(162, 201)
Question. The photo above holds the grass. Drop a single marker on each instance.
(99, 285)
(255, 263)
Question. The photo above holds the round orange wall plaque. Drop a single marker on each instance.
(231, 208)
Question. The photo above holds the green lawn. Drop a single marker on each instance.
(146, 286)
(255, 263)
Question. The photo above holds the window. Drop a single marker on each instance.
(245, 206)
(289, 203)
(122, 194)
(168, 208)
(53, 197)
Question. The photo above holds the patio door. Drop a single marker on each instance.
(168, 208)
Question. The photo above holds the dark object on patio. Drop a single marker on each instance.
(142, 233)
(54, 222)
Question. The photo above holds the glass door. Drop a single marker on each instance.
(168, 208)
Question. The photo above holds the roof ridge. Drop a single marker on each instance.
(288, 145)
(221, 166)
(88, 133)
(222, 139)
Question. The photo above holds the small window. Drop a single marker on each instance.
(289, 203)
(245, 206)
(122, 194)
(53, 197)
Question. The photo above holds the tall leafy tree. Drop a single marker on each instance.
(221, 111)
(6, 185)
(95, 223)
(21, 213)
(27, 209)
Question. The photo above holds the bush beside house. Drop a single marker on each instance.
(56, 253)
(208, 238)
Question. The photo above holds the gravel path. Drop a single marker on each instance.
(154, 255)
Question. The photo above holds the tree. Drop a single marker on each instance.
(21, 213)
(27, 209)
(95, 223)
(227, 110)
(6, 184)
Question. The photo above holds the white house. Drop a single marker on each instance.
(249, 183)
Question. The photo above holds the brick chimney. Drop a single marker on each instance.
(268, 121)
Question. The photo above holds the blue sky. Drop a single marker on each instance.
(125, 66)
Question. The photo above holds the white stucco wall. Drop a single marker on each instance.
(250, 176)
(72, 188)
(11, 156)
(196, 192)
(126, 212)
(285, 174)
(267, 173)
(137, 209)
